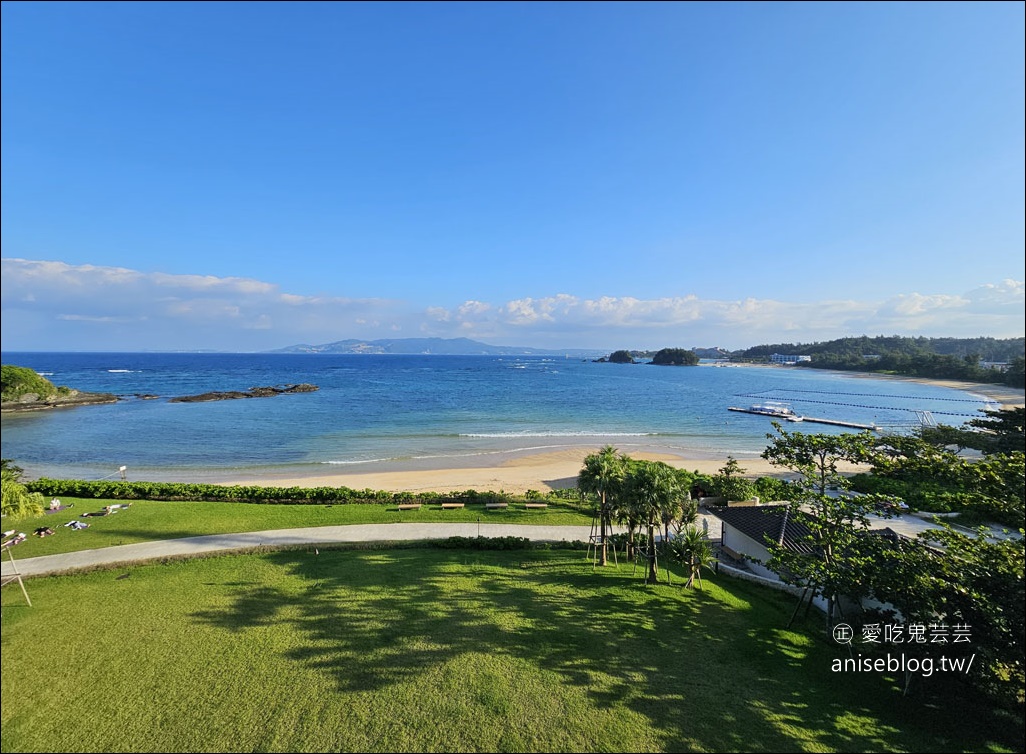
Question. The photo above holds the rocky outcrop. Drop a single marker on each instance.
(255, 392)
(33, 402)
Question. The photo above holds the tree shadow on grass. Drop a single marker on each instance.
(710, 669)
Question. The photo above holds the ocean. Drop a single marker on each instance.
(375, 413)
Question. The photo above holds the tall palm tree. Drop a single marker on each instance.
(654, 488)
(603, 474)
(683, 510)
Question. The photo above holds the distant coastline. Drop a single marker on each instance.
(1008, 397)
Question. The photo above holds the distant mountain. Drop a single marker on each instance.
(437, 346)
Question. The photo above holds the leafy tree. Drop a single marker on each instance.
(675, 357)
(1000, 431)
(1015, 375)
(603, 474)
(731, 482)
(17, 502)
(934, 478)
(830, 559)
(769, 489)
(6, 464)
(1004, 428)
(980, 583)
(976, 580)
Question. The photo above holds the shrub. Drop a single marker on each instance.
(18, 381)
(482, 543)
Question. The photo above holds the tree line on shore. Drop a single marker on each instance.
(969, 359)
(985, 360)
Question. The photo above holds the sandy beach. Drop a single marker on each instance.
(537, 471)
(550, 470)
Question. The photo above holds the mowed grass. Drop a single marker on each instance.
(419, 649)
(147, 520)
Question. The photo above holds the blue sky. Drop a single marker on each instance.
(247, 176)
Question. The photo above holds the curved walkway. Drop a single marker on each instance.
(908, 525)
(314, 535)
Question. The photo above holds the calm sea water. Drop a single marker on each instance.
(375, 413)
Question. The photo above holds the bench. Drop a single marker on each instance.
(536, 505)
(452, 505)
(410, 506)
(496, 505)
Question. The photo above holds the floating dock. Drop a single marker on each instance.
(801, 419)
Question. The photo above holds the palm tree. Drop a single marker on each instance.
(628, 514)
(602, 474)
(653, 488)
(692, 550)
(683, 510)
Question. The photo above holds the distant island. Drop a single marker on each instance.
(663, 357)
(433, 346)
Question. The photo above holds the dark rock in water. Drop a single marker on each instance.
(255, 392)
(261, 392)
(215, 396)
(302, 387)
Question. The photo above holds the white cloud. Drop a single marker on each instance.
(130, 309)
(1007, 296)
(689, 320)
(472, 308)
(52, 305)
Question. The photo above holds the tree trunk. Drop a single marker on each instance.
(653, 569)
(602, 531)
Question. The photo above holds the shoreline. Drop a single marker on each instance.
(551, 470)
(539, 471)
(518, 470)
(1007, 397)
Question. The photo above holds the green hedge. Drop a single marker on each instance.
(179, 491)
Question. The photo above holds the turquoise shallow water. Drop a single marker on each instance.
(375, 413)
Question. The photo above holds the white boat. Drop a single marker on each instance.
(776, 409)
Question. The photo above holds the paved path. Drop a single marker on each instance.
(323, 535)
(315, 535)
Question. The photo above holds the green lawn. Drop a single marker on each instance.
(420, 649)
(146, 521)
